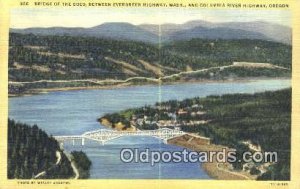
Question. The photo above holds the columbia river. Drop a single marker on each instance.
(75, 112)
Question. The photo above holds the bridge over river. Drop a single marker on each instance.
(104, 135)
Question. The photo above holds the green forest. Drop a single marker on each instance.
(31, 151)
(83, 163)
(33, 57)
(263, 118)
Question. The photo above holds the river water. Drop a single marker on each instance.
(75, 112)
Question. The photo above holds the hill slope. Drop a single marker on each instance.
(31, 151)
(65, 61)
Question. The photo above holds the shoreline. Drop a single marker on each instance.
(219, 171)
(215, 170)
(38, 91)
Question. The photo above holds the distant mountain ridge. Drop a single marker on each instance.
(151, 33)
(271, 31)
(215, 33)
(107, 30)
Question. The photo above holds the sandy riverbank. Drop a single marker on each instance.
(129, 84)
(220, 171)
(55, 89)
(119, 126)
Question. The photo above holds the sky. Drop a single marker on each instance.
(42, 17)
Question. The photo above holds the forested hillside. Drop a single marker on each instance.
(83, 163)
(263, 118)
(234, 51)
(34, 154)
(31, 151)
(34, 57)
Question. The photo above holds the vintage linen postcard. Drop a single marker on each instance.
(149, 94)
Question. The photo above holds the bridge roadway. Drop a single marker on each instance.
(104, 135)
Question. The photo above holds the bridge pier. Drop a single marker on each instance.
(73, 142)
(165, 141)
(82, 142)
